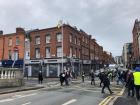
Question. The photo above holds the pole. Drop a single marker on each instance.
(62, 44)
(25, 40)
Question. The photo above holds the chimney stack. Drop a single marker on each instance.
(20, 30)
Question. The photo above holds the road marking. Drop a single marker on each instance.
(22, 96)
(6, 100)
(107, 101)
(27, 103)
(70, 101)
(27, 95)
(16, 97)
(122, 91)
(109, 98)
(102, 102)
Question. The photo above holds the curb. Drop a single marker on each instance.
(20, 90)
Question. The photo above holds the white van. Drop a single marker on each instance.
(112, 67)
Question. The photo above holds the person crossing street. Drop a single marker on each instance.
(106, 83)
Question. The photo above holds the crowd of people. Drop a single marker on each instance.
(128, 78)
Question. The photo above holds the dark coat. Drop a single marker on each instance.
(130, 81)
(106, 80)
(40, 76)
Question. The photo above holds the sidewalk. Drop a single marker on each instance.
(32, 84)
(122, 100)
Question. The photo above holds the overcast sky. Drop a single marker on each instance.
(110, 22)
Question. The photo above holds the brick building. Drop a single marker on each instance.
(42, 50)
(136, 42)
(12, 48)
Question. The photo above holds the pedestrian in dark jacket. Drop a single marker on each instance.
(130, 83)
(101, 78)
(106, 83)
(83, 76)
(66, 77)
(40, 77)
(62, 78)
(92, 75)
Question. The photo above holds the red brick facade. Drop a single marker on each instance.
(135, 32)
(8, 44)
(46, 46)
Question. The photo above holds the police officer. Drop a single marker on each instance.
(136, 75)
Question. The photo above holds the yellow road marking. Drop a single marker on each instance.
(122, 91)
(107, 98)
(107, 101)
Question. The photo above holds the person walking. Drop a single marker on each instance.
(120, 77)
(66, 78)
(101, 78)
(130, 83)
(92, 75)
(62, 78)
(83, 76)
(106, 83)
(136, 76)
(40, 77)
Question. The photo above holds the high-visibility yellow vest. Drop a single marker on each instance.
(136, 78)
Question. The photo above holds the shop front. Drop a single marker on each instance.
(32, 68)
(87, 66)
(54, 66)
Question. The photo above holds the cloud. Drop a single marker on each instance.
(109, 21)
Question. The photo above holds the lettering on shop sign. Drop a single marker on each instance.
(34, 61)
(52, 60)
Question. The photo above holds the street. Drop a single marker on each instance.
(75, 94)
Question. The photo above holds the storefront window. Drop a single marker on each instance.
(53, 70)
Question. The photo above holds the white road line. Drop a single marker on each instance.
(16, 97)
(70, 101)
(27, 95)
(27, 103)
(6, 100)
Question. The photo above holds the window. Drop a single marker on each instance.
(17, 40)
(76, 52)
(10, 42)
(16, 55)
(48, 54)
(70, 51)
(9, 54)
(59, 51)
(59, 37)
(37, 53)
(37, 40)
(70, 37)
(48, 37)
(83, 39)
(79, 41)
(79, 53)
(75, 40)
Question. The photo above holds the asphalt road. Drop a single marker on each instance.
(80, 94)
